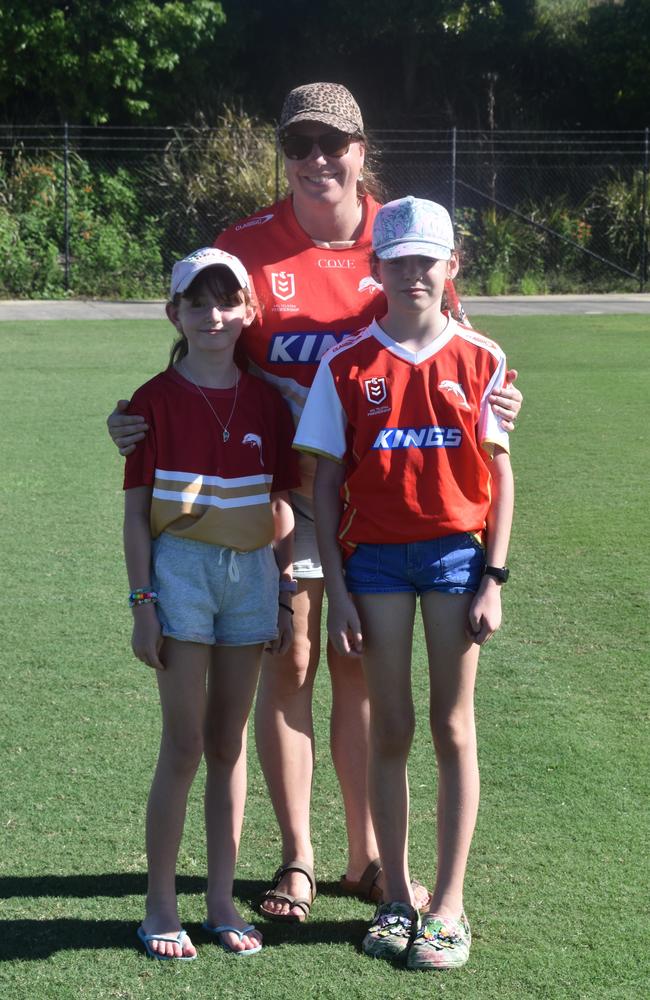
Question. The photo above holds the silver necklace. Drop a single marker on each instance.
(224, 427)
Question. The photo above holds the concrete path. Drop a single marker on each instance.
(505, 305)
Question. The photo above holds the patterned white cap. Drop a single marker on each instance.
(411, 226)
(185, 271)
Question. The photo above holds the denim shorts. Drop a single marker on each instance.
(451, 565)
(214, 595)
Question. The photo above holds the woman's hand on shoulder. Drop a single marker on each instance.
(507, 401)
(147, 639)
(125, 429)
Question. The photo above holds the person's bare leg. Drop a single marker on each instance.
(182, 699)
(387, 625)
(349, 735)
(231, 688)
(285, 737)
(453, 661)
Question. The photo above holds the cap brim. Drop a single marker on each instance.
(187, 279)
(414, 249)
(323, 118)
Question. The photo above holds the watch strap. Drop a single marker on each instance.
(500, 573)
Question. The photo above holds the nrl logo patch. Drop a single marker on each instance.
(283, 285)
(376, 391)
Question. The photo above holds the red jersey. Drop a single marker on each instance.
(309, 296)
(415, 432)
(202, 487)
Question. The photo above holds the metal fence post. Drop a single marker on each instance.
(66, 217)
(453, 175)
(644, 215)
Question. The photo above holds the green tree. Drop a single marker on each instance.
(93, 61)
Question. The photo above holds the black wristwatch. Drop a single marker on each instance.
(500, 573)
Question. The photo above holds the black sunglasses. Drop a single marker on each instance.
(299, 147)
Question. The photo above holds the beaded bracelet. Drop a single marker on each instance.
(140, 596)
(288, 586)
(286, 607)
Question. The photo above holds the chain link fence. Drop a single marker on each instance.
(103, 211)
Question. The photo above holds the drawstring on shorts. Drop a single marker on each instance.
(233, 568)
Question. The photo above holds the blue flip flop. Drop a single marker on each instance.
(174, 938)
(219, 930)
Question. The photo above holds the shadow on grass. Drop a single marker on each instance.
(34, 939)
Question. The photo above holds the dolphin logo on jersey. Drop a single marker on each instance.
(256, 441)
(376, 389)
(283, 284)
(368, 284)
(456, 389)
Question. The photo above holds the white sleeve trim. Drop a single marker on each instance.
(323, 423)
(490, 427)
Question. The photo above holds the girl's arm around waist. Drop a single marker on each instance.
(485, 610)
(147, 638)
(283, 551)
(343, 625)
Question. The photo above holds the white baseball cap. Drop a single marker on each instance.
(185, 271)
(411, 226)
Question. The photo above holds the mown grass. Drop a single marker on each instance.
(555, 888)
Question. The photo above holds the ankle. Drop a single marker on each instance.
(448, 910)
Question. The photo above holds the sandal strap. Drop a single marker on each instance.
(296, 866)
(369, 877)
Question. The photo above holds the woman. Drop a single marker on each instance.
(308, 257)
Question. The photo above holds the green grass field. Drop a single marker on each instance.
(557, 882)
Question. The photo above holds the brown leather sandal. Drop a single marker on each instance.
(282, 897)
(368, 885)
(368, 888)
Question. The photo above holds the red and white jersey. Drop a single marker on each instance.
(202, 487)
(309, 296)
(415, 432)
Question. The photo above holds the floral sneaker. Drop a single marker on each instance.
(440, 943)
(391, 930)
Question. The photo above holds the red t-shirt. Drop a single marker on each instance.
(204, 488)
(415, 432)
(309, 296)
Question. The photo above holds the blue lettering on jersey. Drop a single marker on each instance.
(302, 348)
(418, 437)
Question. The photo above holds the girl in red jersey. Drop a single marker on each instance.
(208, 546)
(414, 487)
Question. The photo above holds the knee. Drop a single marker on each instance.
(453, 735)
(182, 751)
(391, 736)
(223, 749)
(291, 674)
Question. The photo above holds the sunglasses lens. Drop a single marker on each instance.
(334, 143)
(298, 147)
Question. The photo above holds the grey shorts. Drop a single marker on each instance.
(215, 595)
(306, 560)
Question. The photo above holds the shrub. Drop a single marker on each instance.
(616, 213)
(211, 177)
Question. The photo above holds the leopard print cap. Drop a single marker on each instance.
(325, 103)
